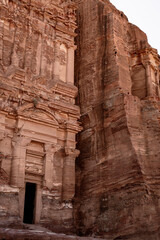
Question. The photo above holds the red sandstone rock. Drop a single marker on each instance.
(117, 74)
(38, 115)
(118, 170)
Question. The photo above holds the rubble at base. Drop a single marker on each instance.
(37, 233)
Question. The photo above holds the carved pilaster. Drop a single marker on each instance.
(19, 145)
(69, 173)
(56, 61)
(70, 65)
(50, 150)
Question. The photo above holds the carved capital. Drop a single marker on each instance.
(52, 148)
(20, 141)
(72, 152)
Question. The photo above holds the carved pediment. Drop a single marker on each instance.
(40, 115)
(39, 112)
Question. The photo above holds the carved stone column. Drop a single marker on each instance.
(69, 173)
(19, 144)
(50, 151)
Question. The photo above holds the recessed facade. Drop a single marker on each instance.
(38, 115)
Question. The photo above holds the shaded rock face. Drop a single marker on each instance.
(117, 172)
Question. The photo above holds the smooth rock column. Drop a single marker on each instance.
(157, 82)
(149, 80)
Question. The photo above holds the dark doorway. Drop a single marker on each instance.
(29, 203)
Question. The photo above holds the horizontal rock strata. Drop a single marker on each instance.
(118, 170)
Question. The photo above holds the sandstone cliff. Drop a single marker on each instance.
(117, 74)
(118, 170)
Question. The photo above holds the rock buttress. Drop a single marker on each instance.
(117, 172)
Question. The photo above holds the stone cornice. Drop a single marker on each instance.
(65, 30)
(65, 89)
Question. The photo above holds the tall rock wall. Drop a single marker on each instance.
(118, 170)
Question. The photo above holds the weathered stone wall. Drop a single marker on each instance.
(9, 204)
(38, 116)
(117, 172)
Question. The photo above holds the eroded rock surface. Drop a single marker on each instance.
(118, 170)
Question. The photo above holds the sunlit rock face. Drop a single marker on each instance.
(38, 115)
(118, 170)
